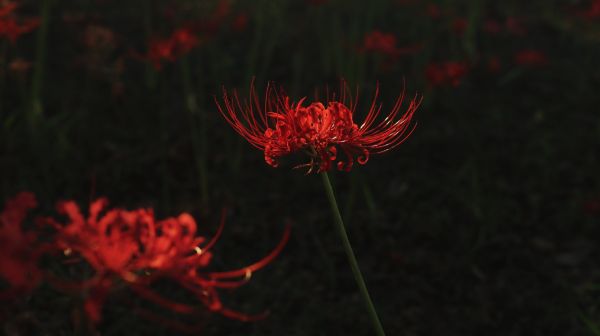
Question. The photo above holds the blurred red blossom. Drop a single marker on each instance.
(492, 26)
(385, 43)
(377, 41)
(433, 11)
(20, 253)
(592, 12)
(592, 207)
(530, 57)
(132, 247)
(282, 127)
(240, 22)
(446, 73)
(459, 26)
(493, 65)
(514, 26)
(10, 26)
(178, 44)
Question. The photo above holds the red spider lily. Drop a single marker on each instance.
(133, 248)
(384, 43)
(492, 26)
(240, 22)
(282, 127)
(530, 57)
(377, 41)
(593, 11)
(493, 65)
(10, 28)
(446, 73)
(180, 43)
(433, 11)
(514, 26)
(592, 207)
(18, 264)
(459, 26)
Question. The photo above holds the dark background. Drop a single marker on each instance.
(484, 222)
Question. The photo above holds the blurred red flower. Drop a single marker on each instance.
(282, 127)
(530, 57)
(18, 264)
(446, 73)
(515, 26)
(180, 43)
(493, 65)
(593, 11)
(133, 248)
(492, 26)
(240, 22)
(10, 27)
(459, 26)
(433, 11)
(379, 42)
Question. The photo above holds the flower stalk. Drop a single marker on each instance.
(364, 292)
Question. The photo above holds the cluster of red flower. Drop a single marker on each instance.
(181, 42)
(12, 28)
(121, 246)
(317, 129)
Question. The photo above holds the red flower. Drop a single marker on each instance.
(379, 42)
(593, 11)
(492, 26)
(433, 11)
(446, 73)
(514, 26)
(459, 25)
(282, 127)
(493, 65)
(18, 264)
(240, 22)
(530, 57)
(592, 206)
(384, 43)
(133, 247)
(10, 28)
(180, 43)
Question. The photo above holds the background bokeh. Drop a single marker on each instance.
(484, 222)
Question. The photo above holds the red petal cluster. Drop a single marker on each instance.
(18, 264)
(593, 11)
(385, 43)
(530, 57)
(181, 42)
(132, 247)
(281, 127)
(446, 73)
(10, 27)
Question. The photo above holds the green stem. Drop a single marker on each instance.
(197, 132)
(38, 75)
(351, 258)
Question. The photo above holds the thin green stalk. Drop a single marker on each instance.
(351, 258)
(38, 75)
(198, 134)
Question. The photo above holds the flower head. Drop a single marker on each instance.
(378, 42)
(178, 44)
(446, 73)
(320, 130)
(134, 248)
(10, 27)
(18, 264)
(530, 57)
